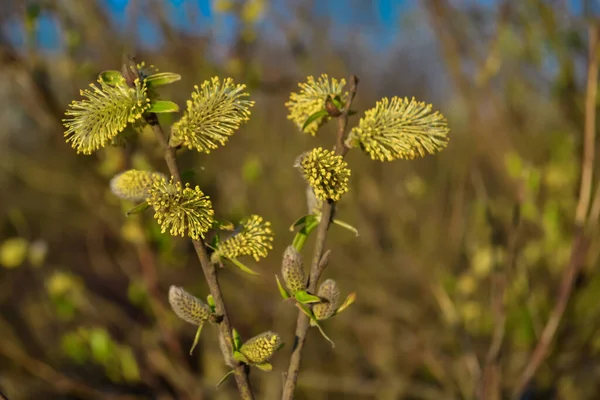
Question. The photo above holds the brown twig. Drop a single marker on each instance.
(580, 241)
(302, 323)
(240, 370)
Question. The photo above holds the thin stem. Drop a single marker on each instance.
(580, 241)
(316, 269)
(240, 370)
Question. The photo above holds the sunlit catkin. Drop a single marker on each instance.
(216, 110)
(104, 112)
(254, 239)
(311, 99)
(400, 129)
(292, 270)
(261, 348)
(181, 210)
(135, 185)
(187, 307)
(330, 292)
(326, 172)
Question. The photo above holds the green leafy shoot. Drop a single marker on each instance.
(314, 117)
(138, 209)
(196, 338)
(163, 106)
(282, 290)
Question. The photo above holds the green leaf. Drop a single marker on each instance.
(129, 365)
(138, 209)
(240, 357)
(306, 298)
(306, 311)
(300, 221)
(265, 366)
(223, 225)
(111, 77)
(196, 338)
(227, 375)
(349, 300)
(346, 226)
(101, 345)
(163, 106)
(282, 290)
(314, 322)
(241, 266)
(162, 78)
(237, 340)
(312, 118)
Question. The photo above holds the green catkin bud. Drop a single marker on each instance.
(135, 185)
(330, 292)
(311, 99)
(261, 348)
(181, 210)
(104, 113)
(255, 239)
(217, 109)
(326, 172)
(400, 129)
(292, 270)
(187, 307)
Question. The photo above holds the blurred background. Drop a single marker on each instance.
(461, 255)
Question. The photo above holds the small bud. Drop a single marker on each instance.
(331, 109)
(330, 292)
(188, 307)
(261, 348)
(292, 270)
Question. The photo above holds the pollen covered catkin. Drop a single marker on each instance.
(261, 348)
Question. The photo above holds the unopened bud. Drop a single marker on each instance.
(330, 292)
(187, 307)
(292, 270)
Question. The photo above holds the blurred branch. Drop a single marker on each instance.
(56, 380)
(580, 241)
(491, 387)
(318, 261)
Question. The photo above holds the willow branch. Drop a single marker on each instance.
(580, 240)
(240, 370)
(317, 266)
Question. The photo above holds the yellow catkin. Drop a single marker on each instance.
(261, 348)
(105, 111)
(181, 210)
(326, 173)
(311, 99)
(254, 239)
(400, 129)
(216, 110)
